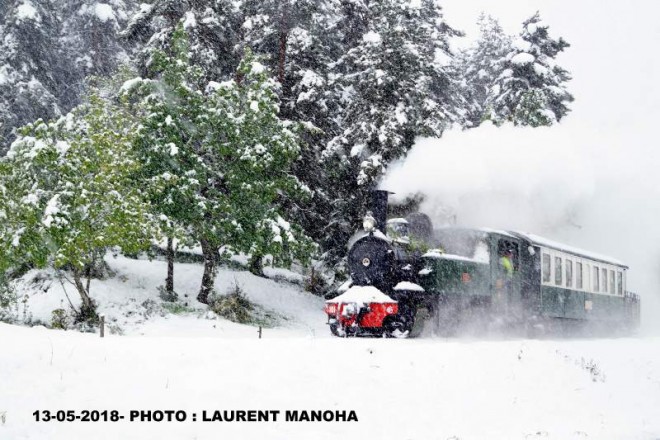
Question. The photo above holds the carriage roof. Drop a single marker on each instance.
(537, 240)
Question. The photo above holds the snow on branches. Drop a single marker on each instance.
(217, 156)
(531, 88)
(69, 194)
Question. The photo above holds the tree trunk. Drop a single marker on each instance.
(91, 267)
(88, 308)
(284, 35)
(169, 281)
(208, 279)
(256, 265)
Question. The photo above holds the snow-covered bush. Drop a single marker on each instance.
(60, 319)
(176, 308)
(316, 282)
(165, 295)
(233, 306)
(8, 301)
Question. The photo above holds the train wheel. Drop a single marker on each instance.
(397, 327)
(337, 330)
(398, 334)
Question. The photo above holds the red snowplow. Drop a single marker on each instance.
(362, 310)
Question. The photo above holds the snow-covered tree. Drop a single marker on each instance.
(47, 48)
(396, 83)
(32, 64)
(531, 90)
(300, 41)
(163, 167)
(211, 28)
(90, 31)
(220, 157)
(169, 108)
(354, 21)
(480, 67)
(389, 83)
(68, 195)
(6, 228)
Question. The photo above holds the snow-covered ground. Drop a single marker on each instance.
(132, 306)
(427, 388)
(400, 389)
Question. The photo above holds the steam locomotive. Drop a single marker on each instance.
(404, 274)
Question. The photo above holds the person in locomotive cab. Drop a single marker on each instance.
(506, 263)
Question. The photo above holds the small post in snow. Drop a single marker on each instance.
(102, 326)
(259, 331)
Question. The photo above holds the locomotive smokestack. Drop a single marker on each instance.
(379, 208)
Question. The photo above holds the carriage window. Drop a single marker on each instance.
(546, 268)
(612, 282)
(595, 285)
(603, 280)
(481, 252)
(578, 275)
(558, 271)
(569, 273)
(587, 277)
(619, 283)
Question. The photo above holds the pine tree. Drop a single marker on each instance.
(211, 28)
(396, 83)
(68, 196)
(33, 65)
(91, 32)
(354, 22)
(390, 78)
(531, 90)
(46, 50)
(481, 66)
(300, 41)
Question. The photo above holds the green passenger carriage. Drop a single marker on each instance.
(550, 283)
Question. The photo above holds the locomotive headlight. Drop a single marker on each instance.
(369, 222)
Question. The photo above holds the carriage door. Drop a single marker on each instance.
(506, 278)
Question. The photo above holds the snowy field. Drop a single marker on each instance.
(400, 389)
